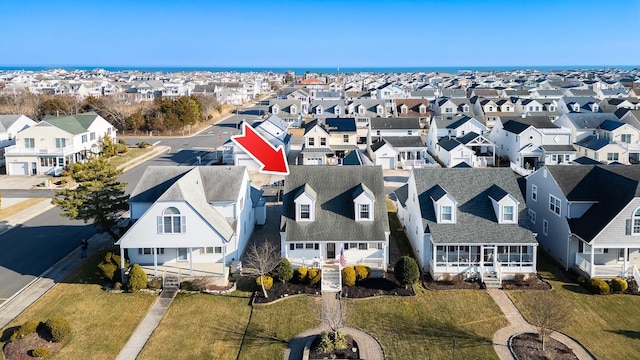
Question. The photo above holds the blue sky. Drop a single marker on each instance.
(236, 33)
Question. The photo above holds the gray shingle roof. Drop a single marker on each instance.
(476, 220)
(589, 120)
(404, 141)
(592, 142)
(334, 208)
(395, 123)
(612, 187)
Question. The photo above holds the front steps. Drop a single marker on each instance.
(331, 281)
(491, 281)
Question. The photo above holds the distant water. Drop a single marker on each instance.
(325, 70)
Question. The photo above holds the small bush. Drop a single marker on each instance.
(339, 340)
(59, 328)
(406, 270)
(301, 274)
(348, 276)
(619, 284)
(598, 286)
(40, 352)
(27, 328)
(285, 270)
(266, 280)
(109, 267)
(325, 345)
(314, 276)
(362, 272)
(155, 283)
(137, 279)
(143, 145)
(121, 149)
(532, 280)
(122, 141)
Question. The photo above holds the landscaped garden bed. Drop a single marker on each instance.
(531, 283)
(454, 283)
(350, 350)
(528, 346)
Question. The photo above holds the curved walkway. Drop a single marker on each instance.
(368, 347)
(519, 325)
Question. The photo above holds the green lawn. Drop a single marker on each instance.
(423, 327)
(199, 326)
(101, 322)
(133, 152)
(273, 326)
(608, 326)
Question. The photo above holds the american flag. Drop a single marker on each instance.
(343, 260)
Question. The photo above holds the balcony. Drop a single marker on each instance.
(67, 150)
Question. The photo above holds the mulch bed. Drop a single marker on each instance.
(539, 284)
(367, 288)
(20, 349)
(528, 346)
(348, 353)
(431, 284)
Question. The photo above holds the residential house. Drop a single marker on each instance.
(329, 212)
(413, 108)
(191, 219)
(273, 129)
(568, 105)
(587, 217)
(583, 124)
(330, 142)
(392, 152)
(528, 141)
(382, 127)
(631, 117)
(455, 126)
(289, 110)
(468, 221)
(452, 106)
(613, 104)
(54, 142)
(10, 125)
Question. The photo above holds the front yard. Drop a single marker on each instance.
(607, 325)
(424, 326)
(101, 322)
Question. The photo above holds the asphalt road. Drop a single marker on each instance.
(28, 250)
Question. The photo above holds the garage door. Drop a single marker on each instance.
(18, 168)
(386, 162)
(313, 161)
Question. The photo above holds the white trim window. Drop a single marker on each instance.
(507, 213)
(554, 204)
(635, 223)
(545, 227)
(364, 211)
(446, 213)
(305, 212)
(532, 216)
(534, 193)
(171, 222)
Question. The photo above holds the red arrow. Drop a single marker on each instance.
(273, 159)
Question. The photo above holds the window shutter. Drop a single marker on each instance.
(628, 227)
(183, 224)
(159, 224)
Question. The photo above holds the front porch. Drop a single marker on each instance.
(608, 262)
(321, 254)
(217, 273)
(479, 260)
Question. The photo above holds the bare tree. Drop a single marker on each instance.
(261, 259)
(548, 313)
(333, 315)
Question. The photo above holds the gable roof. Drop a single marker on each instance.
(334, 208)
(476, 221)
(589, 120)
(395, 123)
(404, 141)
(313, 123)
(593, 142)
(449, 144)
(341, 124)
(611, 187)
(610, 125)
(74, 124)
(515, 127)
(538, 122)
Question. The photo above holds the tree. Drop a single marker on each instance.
(98, 197)
(261, 260)
(406, 270)
(333, 316)
(285, 270)
(548, 313)
(108, 148)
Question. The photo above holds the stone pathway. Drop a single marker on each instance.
(369, 348)
(519, 325)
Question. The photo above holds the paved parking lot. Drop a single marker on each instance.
(23, 182)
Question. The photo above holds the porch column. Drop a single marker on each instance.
(591, 267)
(626, 257)
(224, 258)
(535, 257)
(190, 262)
(155, 261)
(122, 263)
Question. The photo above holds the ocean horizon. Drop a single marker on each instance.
(322, 70)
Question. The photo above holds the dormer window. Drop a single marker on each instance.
(404, 109)
(337, 110)
(594, 107)
(363, 201)
(552, 108)
(507, 214)
(361, 110)
(293, 109)
(504, 205)
(275, 109)
(576, 107)
(446, 214)
(305, 203)
(490, 108)
(318, 110)
(422, 109)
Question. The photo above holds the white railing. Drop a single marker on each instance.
(519, 169)
(582, 263)
(636, 276)
(16, 150)
(411, 164)
(599, 270)
(498, 267)
(376, 263)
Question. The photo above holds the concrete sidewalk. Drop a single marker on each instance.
(150, 322)
(518, 325)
